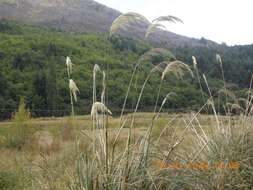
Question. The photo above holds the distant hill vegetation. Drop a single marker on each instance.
(32, 65)
(84, 16)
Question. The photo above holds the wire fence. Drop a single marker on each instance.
(6, 113)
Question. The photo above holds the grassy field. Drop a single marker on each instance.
(50, 156)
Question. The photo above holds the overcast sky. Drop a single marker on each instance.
(229, 21)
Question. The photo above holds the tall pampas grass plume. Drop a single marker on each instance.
(194, 60)
(177, 68)
(218, 59)
(152, 28)
(126, 19)
(168, 18)
(69, 65)
(96, 69)
(156, 23)
(103, 90)
(73, 89)
(99, 108)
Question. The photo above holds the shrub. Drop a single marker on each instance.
(21, 130)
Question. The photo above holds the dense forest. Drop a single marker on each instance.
(32, 65)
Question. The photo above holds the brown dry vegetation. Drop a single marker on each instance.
(54, 166)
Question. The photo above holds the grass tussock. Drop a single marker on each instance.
(21, 130)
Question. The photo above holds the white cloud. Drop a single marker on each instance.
(219, 20)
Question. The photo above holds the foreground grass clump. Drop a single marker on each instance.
(195, 157)
(21, 130)
(180, 156)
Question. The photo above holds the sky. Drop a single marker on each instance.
(228, 21)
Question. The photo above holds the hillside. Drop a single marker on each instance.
(83, 16)
(67, 15)
(32, 61)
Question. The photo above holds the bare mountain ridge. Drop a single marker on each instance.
(83, 16)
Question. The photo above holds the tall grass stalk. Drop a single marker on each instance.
(211, 102)
(73, 90)
(219, 61)
(96, 69)
(128, 90)
(69, 65)
(195, 66)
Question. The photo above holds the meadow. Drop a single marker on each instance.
(51, 157)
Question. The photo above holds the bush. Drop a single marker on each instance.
(21, 131)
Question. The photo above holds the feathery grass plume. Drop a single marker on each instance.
(194, 60)
(103, 90)
(69, 66)
(73, 94)
(155, 54)
(218, 59)
(95, 70)
(98, 111)
(152, 28)
(195, 66)
(177, 68)
(99, 108)
(168, 18)
(124, 20)
(73, 89)
(155, 24)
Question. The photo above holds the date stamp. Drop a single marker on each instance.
(233, 165)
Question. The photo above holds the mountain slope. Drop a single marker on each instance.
(82, 16)
(67, 15)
